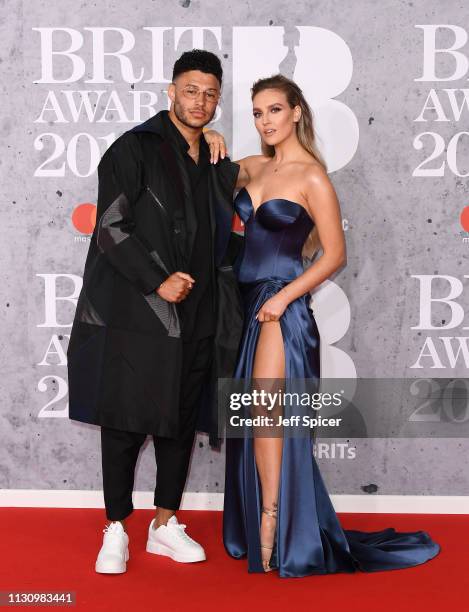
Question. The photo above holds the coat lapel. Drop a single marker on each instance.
(222, 181)
(175, 165)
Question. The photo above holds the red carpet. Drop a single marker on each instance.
(55, 549)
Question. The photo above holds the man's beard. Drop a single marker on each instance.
(186, 119)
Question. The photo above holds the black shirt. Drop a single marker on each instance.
(196, 310)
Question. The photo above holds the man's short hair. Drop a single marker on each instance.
(198, 59)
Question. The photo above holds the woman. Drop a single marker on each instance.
(277, 510)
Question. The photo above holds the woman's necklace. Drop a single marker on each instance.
(278, 167)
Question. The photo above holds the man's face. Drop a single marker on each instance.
(194, 96)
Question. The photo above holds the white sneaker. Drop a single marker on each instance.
(172, 541)
(114, 552)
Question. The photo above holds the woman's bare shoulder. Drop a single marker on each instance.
(317, 188)
(314, 174)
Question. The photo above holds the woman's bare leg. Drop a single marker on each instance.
(269, 364)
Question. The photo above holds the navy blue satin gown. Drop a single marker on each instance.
(309, 538)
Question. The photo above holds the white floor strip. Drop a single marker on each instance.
(392, 504)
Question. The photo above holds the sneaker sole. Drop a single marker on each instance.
(106, 570)
(160, 549)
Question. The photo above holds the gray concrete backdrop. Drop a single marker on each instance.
(399, 225)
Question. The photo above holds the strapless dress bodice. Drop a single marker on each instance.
(274, 235)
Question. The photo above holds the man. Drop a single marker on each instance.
(159, 315)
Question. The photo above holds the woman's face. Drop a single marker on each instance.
(274, 119)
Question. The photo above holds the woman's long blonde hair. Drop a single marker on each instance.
(304, 132)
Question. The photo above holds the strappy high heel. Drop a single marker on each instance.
(272, 512)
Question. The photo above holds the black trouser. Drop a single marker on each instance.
(120, 449)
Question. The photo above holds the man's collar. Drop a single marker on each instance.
(155, 125)
(175, 133)
(162, 125)
(203, 146)
(204, 151)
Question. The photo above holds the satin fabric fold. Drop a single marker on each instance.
(309, 539)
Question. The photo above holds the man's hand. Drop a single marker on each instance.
(176, 287)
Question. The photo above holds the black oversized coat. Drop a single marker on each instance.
(125, 350)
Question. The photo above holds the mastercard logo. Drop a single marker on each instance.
(464, 218)
(84, 218)
(237, 225)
